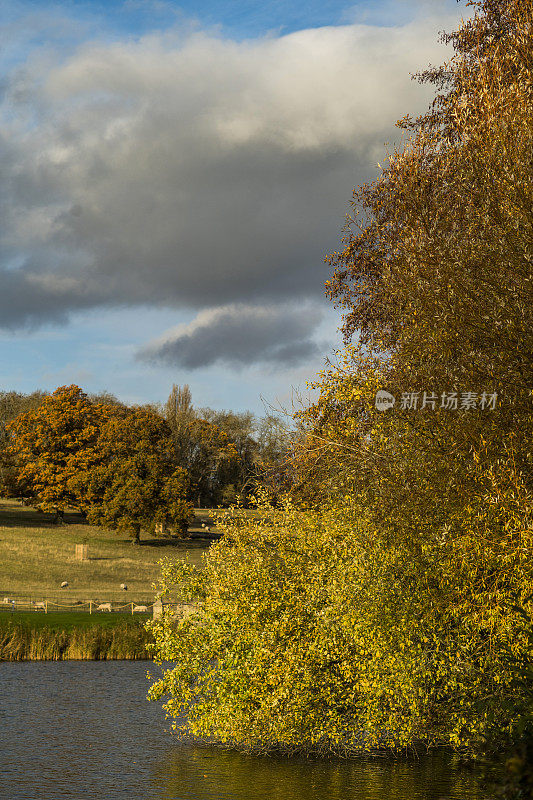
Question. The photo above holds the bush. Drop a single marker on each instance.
(316, 632)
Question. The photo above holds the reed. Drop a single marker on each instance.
(95, 643)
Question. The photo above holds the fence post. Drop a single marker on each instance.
(82, 552)
(46, 606)
(157, 609)
(132, 609)
(90, 606)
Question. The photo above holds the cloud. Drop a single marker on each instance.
(187, 171)
(238, 335)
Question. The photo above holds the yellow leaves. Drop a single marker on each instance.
(398, 592)
(280, 635)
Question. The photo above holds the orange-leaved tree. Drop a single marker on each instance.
(52, 445)
(113, 463)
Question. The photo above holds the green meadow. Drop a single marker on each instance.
(36, 556)
(67, 620)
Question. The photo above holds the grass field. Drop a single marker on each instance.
(36, 556)
(67, 620)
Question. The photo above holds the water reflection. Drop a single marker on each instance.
(218, 775)
(84, 729)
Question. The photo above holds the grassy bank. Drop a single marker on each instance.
(33, 637)
(68, 620)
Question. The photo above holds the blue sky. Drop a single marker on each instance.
(236, 18)
(175, 174)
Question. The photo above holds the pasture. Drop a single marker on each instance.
(36, 556)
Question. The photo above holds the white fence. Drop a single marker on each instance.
(91, 606)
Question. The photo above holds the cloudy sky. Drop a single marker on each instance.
(173, 175)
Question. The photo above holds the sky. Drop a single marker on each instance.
(173, 176)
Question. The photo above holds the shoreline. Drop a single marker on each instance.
(121, 642)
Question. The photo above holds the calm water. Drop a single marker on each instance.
(85, 730)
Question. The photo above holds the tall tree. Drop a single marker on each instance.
(179, 414)
(135, 483)
(236, 475)
(201, 446)
(401, 611)
(51, 445)
(276, 442)
(436, 280)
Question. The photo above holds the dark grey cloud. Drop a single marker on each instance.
(238, 336)
(31, 299)
(192, 172)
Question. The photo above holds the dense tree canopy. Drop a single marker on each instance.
(399, 610)
(226, 453)
(115, 464)
(13, 404)
(52, 445)
(134, 483)
(131, 468)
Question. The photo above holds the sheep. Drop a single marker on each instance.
(104, 607)
(39, 605)
(140, 609)
(7, 600)
(64, 584)
(124, 587)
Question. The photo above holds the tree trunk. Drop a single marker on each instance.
(136, 535)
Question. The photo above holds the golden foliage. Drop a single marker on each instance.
(399, 610)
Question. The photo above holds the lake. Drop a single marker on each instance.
(79, 729)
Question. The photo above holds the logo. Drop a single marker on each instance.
(384, 400)
(455, 401)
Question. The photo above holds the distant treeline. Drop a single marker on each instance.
(134, 468)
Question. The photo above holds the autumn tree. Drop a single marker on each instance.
(237, 471)
(276, 443)
(201, 446)
(12, 404)
(115, 464)
(179, 414)
(51, 445)
(211, 453)
(226, 453)
(435, 279)
(399, 609)
(135, 483)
